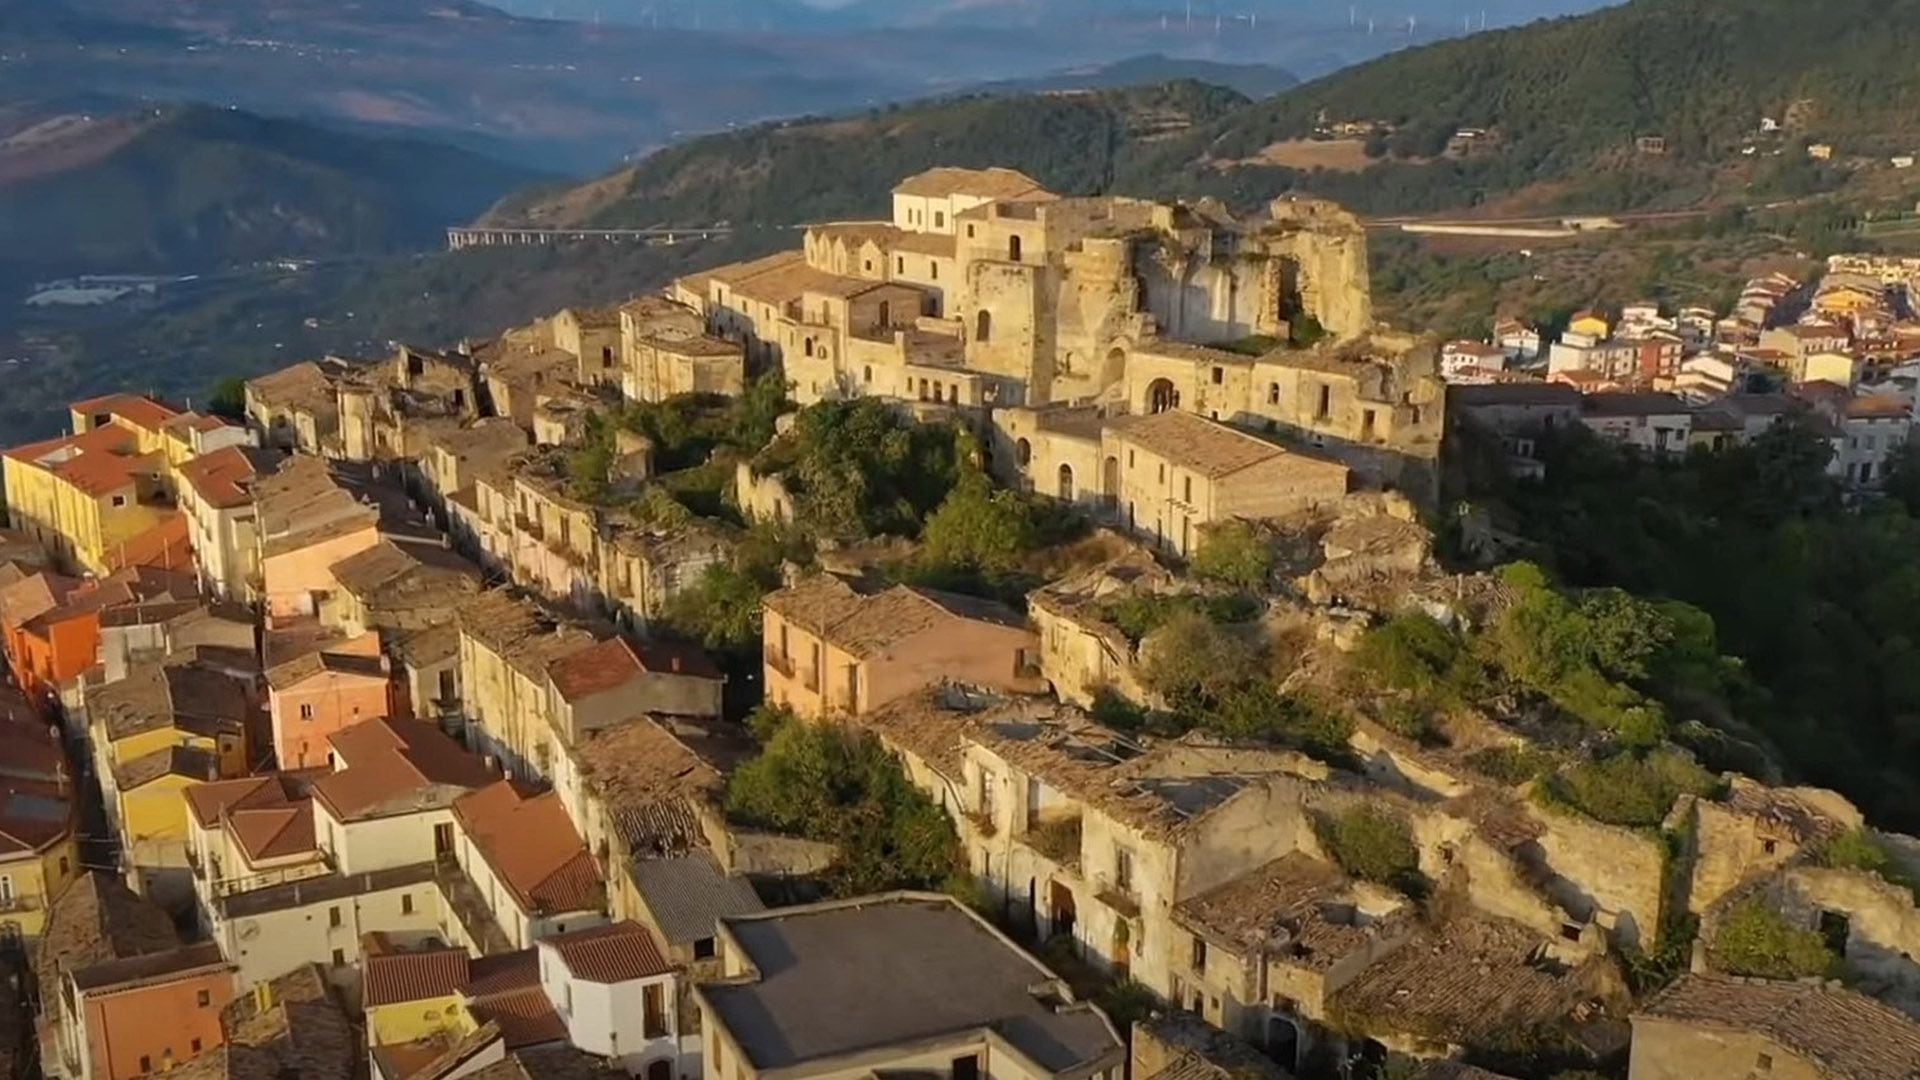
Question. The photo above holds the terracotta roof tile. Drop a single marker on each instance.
(136, 409)
(525, 1017)
(1201, 445)
(532, 847)
(605, 666)
(393, 766)
(1844, 1034)
(993, 183)
(617, 952)
(413, 976)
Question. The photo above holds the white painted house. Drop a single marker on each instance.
(615, 989)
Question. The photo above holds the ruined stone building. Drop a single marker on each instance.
(987, 292)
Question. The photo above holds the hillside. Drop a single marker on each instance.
(1566, 99)
(1252, 80)
(1563, 99)
(189, 188)
(816, 169)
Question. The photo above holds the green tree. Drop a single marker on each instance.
(978, 528)
(229, 398)
(842, 787)
(1233, 553)
(1195, 664)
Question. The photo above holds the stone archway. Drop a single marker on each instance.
(1161, 396)
(1066, 483)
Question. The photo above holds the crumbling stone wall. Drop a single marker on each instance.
(1322, 250)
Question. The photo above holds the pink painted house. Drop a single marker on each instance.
(312, 696)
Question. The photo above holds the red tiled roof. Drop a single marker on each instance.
(219, 478)
(675, 658)
(613, 953)
(526, 1017)
(274, 832)
(503, 973)
(532, 846)
(413, 976)
(133, 408)
(387, 759)
(596, 670)
(166, 545)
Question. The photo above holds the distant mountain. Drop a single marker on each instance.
(1566, 100)
(190, 188)
(793, 172)
(1252, 80)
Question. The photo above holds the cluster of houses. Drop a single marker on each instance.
(1843, 355)
(396, 773)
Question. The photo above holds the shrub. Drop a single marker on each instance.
(1194, 663)
(1753, 940)
(1630, 789)
(1234, 554)
(1511, 764)
(1374, 845)
(1856, 849)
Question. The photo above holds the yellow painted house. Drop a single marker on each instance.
(39, 853)
(152, 813)
(83, 496)
(1591, 323)
(413, 996)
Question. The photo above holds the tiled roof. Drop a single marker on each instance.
(397, 766)
(688, 895)
(867, 625)
(150, 967)
(532, 847)
(595, 670)
(266, 833)
(650, 782)
(137, 409)
(207, 802)
(301, 1033)
(503, 973)
(33, 596)
(221, 478)
(1467, 981)
(1628, 404)
(96, 918)
(302, 386)
(1283, 904)
(1196, 443)
(301, 668)
(617, 952)
(993, 183)
(525, 1017)
(184, 696)
(1844, 1034)
(191, 762)
(548, 1063)
(413, 976)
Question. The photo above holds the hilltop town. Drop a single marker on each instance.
(1015, 638)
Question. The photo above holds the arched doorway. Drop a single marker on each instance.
(1283, 1041)
(660, 1070)
(983, 327)
(1110, 481)
(1013, 249)
(1023, 453)
(1161, 396)
(886, 314)
(1066, 483)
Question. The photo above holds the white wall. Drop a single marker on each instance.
(610, 1019)
(379, 843)
(270, 944)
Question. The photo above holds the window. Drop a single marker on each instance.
(1188, 490)
(339, 958)
(1199, 956)
(119, 500)
(900, 265)
(933, 270)
(703, 949)
(194, 1046)
(988, 782)
(204, 998)
(1326, 404)
(1219, 375)
(1764, 1063)
(333, 916)
(6, 890)
(146, 1063)
(1769, 846)
(966, 1068)
(1023, 452)
(306, 712)
(653, 1011)
(406, 903)
(1162, 477)
(1122, 869)
(869, 265)
(983, 327)
(1273, 393)
(969, 232)
(867, 373)
(939, 219)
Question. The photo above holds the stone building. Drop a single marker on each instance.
(1707, 1025)
(831, 649)
(1164, 476)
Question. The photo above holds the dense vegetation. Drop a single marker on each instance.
(827, 169)
(835, 785)
(196, 188)
(1819, 602)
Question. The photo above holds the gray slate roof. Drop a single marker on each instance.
(689, 894)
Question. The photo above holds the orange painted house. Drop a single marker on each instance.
(313, 696)
(52, 623)
(146, 1014)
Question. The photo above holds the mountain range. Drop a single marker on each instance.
(1562, 104)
